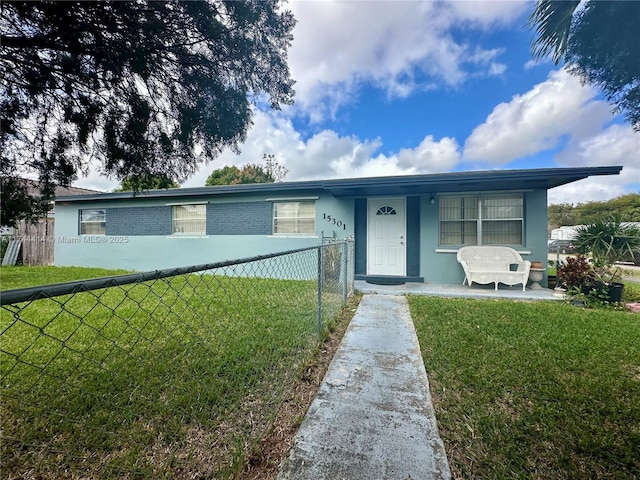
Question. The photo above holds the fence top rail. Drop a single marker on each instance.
(19, 295)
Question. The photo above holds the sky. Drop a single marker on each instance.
(408, 87)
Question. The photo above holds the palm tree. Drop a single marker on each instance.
(551, 21)
(608, 240)
(598, 44)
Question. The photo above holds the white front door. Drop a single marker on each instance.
(386, 233)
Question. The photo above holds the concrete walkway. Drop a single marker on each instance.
(372, 418)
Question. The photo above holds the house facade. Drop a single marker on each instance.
(407, 228)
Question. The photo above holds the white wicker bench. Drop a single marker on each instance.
(492, 264)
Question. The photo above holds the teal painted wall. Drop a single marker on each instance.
(536, 228)
(439, 265)
(150, 252)
(334, 217)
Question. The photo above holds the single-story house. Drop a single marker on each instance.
(405, 228)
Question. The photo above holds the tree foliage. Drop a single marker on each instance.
(146, 182)
(607, 240)
(232, 175)
(561, 214)
(17, 204)
(273, 168)
(144, 87)
(626, 207)
(271, 172)
(598, 43)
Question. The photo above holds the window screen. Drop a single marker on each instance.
(294, 217)
(93, 222)
(189, 219)
(482, 220)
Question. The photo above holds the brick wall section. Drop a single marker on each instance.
(139, 221)
(236, 218)
(240, 218)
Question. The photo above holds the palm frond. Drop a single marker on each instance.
(551, 21)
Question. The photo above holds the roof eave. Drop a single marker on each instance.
(543, 178)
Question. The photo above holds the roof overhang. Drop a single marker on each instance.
(493, 180)
(487, 180)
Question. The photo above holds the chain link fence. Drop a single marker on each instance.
(167, 374)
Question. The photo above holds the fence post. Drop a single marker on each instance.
(320, 271)
(345, 278)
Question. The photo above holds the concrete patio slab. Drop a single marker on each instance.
(459, 291)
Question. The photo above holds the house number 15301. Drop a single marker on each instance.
(333, 221)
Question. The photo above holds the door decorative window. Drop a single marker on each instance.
(386, 210)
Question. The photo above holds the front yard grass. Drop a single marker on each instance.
(22, 277)
(175, 379)
(533, 390)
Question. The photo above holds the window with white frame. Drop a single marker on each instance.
(93, 221)
(482, 220)
(294, 218)
(190, 219)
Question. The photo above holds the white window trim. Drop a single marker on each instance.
(290, 199)
(181, 204)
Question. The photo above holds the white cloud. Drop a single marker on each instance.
(329, 155)
(497, 68)
(430, 156)
(537, 120)
(531, 64)
(588, 190)
(616, 145)
(488, 13)
(562, 117)
(95, 180)
(399, 47)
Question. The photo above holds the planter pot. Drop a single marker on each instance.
(587, 289)
(552, 281)
(559, 292)
(612, 292)
(615, 292)
(536, 265)
(536, 275)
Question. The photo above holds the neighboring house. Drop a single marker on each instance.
(570, 232)
(564, 233)
(405, 227)
(37, 237)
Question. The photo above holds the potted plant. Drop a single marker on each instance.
(576, 274)
(608, 241)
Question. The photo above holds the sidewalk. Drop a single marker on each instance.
(372, 417)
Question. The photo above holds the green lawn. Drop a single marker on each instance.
(178, 378)
(533, 390)
(22, 277)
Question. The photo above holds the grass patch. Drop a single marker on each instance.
(631, 292)
(177, 378)
(533, 390)
(22, 277)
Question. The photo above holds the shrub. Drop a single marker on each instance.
(608, 240)
(577, 272)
